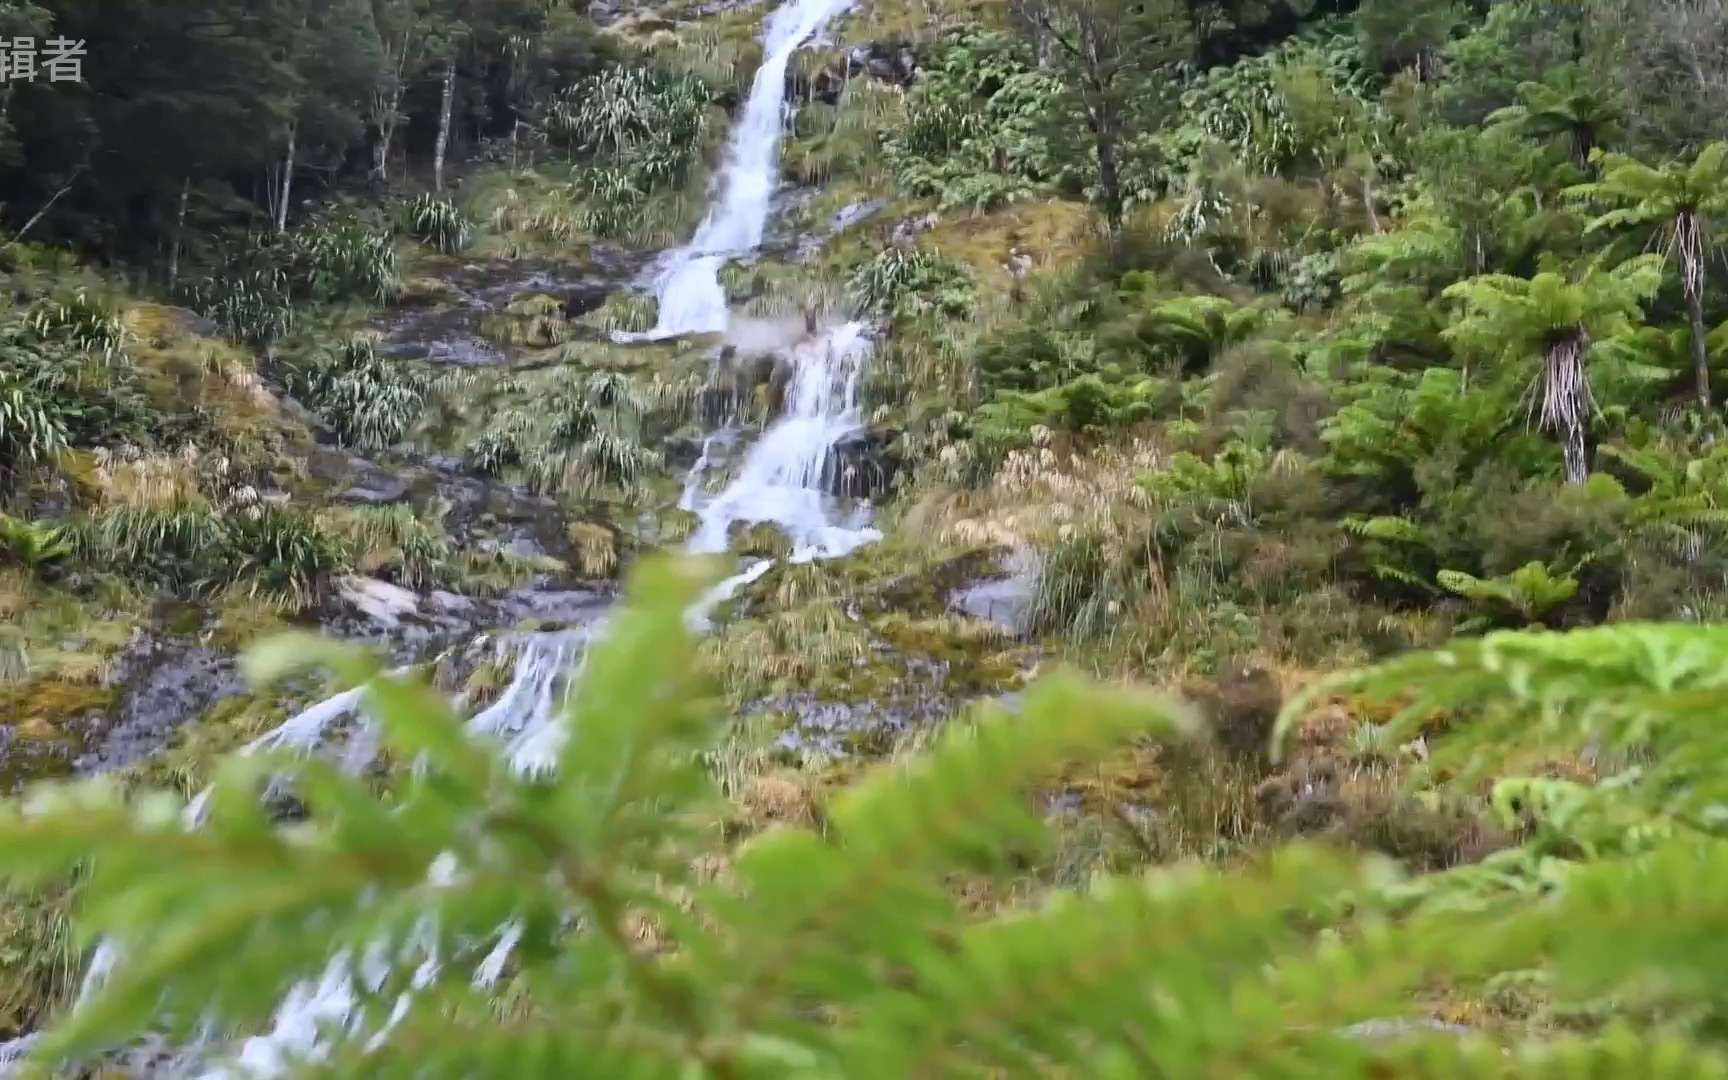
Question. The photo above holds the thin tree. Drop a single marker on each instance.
(1560, 322)
(1115, 56)
(1681, 202)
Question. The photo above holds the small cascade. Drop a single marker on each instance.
(692, 300)
(526, 718)
(526, 714)
(784, 480)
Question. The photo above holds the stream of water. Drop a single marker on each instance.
(782, 480)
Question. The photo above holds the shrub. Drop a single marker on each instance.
(31, 545)
(640, 131)
(438, 222)
(251, 305)
(983, 126)
(281, 556)
(369, 399)
(343, 260)
(81, 322)
(33, 421)
(907, 283)
(582, 438)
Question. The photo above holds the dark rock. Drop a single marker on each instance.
(864, 464)
(1005, 601)
(381, 489)
(164, 683)
(680, 451)
(929, 593)
(586, 297)
(892, 62)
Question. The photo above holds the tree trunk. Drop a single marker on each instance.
(1700, 357)
(1109, 176)
(179, 233)
(388, 113)
(1689, 238)
(287, 182)
(443, 143)
(1583, 141)
(1565, 402)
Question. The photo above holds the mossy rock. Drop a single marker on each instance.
(663, 526)
(926, 592)
(43, 704)
(185, 764)
(430, 291)
(39, 711)
(594, 549)
(484, 683)
(525, 305)
(763, 540)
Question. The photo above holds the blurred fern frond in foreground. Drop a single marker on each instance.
(592, 922)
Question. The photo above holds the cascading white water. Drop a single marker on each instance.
(781, 481)
(691, 298)
(783, 476)
(525, 717)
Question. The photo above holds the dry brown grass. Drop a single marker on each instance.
(1051, 232)
(1039, 496)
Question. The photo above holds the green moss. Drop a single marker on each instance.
(186, 763)
(37, 711)
(763, 540)
(240, 623)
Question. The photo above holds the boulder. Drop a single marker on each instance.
(864, 464)
(379, 601)
(588, 296)
(891, 61)
(380, 489)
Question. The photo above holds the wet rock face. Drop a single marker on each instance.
(891, 61)
(864, 465)
(162, 684)
(377, 487)
(1003, 596)
(585, 297)
(810, 245)
(442, 324)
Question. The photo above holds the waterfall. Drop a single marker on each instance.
(782, 480)
(526, 717)
(688, 288)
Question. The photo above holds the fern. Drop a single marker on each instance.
(841, 950)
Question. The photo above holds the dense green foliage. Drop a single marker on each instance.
(1256, 340)
(838, 950)
(184, 107)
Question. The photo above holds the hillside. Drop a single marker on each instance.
(1350, 372)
